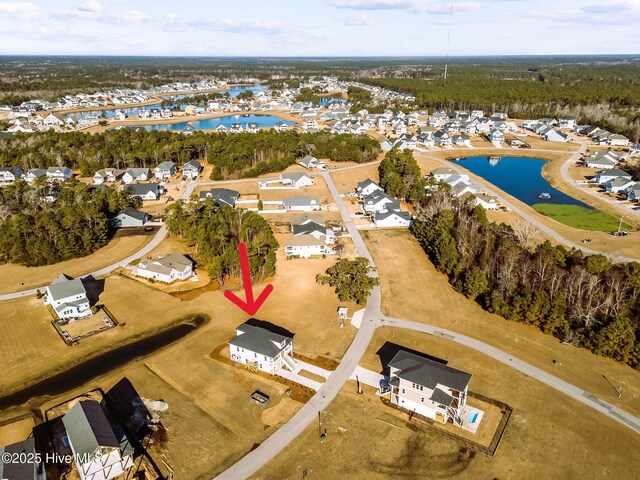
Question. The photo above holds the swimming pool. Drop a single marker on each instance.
(472, 417)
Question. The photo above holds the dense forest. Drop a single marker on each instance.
(35, 232)
(215, 233)
(237, 155)
(583, 300)
(608, 96)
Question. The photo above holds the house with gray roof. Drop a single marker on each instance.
(221, 196)
(260, 348)
(296, 179)
(301, 203)
(618, 185)
(310, 223)
(100, 451)
(145, 191)
(633, 192)
(68, 297)
(392, 219)
(107, 175)
(165, 268)
(22, 470)
(58, 174)
(427, 387)
(191, 169)
(130, 217)
(379, 201)
(607, 175)
(311, 163)
(10, 174)
(165, 170)
(136, 175)
(367, 187)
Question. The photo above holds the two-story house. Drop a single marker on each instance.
(262, 349)
(68, 297)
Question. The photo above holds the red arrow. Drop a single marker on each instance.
(251, 306)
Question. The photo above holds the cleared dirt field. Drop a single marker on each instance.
(426, 296)
(12, 275)
(548, 436)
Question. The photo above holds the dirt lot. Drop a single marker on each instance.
(548, 436)
(12, 275)
(397, 253)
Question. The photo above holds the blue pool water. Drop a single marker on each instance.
(211, 123)
(520, 177)
(473, 416)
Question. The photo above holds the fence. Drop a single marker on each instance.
(429, 424)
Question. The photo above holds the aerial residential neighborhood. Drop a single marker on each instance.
(339, 239)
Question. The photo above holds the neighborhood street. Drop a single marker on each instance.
(373, 318)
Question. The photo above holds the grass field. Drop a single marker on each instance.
(425, 295)
(11, 275)
(583, 218)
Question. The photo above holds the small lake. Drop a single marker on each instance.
(263, 121)
(519, 177)
(133, 111)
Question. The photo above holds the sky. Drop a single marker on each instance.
(319, 27)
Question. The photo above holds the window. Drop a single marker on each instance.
(403, 390)
(422, 399)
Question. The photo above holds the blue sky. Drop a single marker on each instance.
(319, 27)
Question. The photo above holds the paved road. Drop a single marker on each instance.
(155, 241)
(587, 398)
(308, 414)
(529, 218)
(564, 170)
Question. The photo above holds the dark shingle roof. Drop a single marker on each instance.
(428, 373)
(259, 340)
(441, 397)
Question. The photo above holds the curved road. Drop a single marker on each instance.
(564, 170)
(372, 319)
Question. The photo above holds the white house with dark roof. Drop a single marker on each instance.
(261, 349)
(145, 191)
(311, 163)
(221, 196)
(306, 246)
(191, 169)
(58, 174)
(100, 451)
(68, 298)
(427, 387)
(165, 268)
(392, 219)
(367, 187)
(296, 179)
(603, 159)
(312, 224)
(301, 203)
(379, 201)
(618, 185)
(136, 175)
(107, 175)
(633, 192)
(608, 175)
(442, 173)
(488, 202)
(10, 174)
(496, 136)
(165, 170)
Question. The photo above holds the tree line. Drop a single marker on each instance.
(215, 232)
(232, 156)
(583, 300)
(36, 232)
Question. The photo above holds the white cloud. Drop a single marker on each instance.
(356, 20)
(432, 7)
(130, 16)
(178, 23)
(91, 6)
(22, 11)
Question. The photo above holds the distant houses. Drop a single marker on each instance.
(262, 349)
(604, 159)
(165, 268)
(58, 174)
(68, 298)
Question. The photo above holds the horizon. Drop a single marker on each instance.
(325, 29)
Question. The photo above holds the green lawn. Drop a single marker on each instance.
(579, 217)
